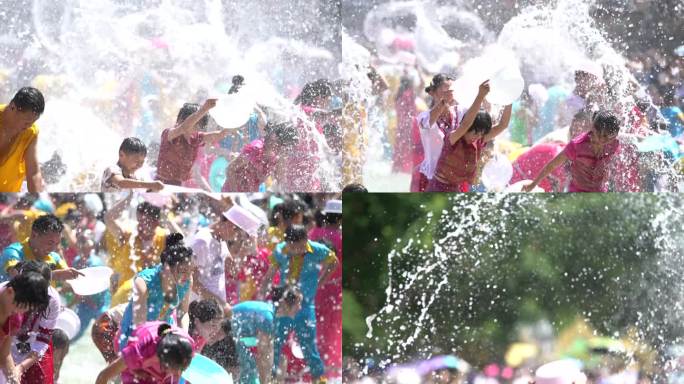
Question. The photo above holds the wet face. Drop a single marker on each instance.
(579, 126)
(602, 138)
(182, 272)
(445, 92)
(131, 162)
(471, 137)
(23, 119)
(297, 248)
(44, 243)
(209, 330)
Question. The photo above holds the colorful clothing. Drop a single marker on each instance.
(528, 165)
(248, 178)
(249, 318)
(329, 305)
(432, 137)
(458, 163)
(304, 271)
(121, 253)
(157, 308)
(589, 171)
(17, 252)
(140, 355)
(177, 156)
(12, 163)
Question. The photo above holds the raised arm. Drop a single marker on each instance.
(114, 213)
(112, 371)
(140, 303)
(469, 117)
(34, 179)
(503, 124)
(187, 127)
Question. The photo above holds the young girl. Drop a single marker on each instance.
(464, 141)
(161, 291)
(589, 155)
(157, 353)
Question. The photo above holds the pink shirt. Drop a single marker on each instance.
(140, 355)
(588, 171)
(260, 167)
(176, 157)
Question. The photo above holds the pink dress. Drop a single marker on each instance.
(249, 178)
(329, 305)
(406, 111)
(302, 160)
(589, 171)
(140, 355)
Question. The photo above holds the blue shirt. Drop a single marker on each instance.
(14, 253)
(312, 265)
(155, 302)
(252, 316)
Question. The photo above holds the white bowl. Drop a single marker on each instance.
(94, 281)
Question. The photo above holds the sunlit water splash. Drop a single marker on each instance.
(433, 290)
(111, 68)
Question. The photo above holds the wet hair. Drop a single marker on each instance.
(606, 123)
(33, 266)
(313, 90)
(188, 109)
(289, 209)
(60, 340)
(482, 123)
(30, 291)
(173, 350)
(295, 233)
(47, 224)
(133, 146)
(203, 311)
(149, 210)
(286, 294)
(438, 80)
(355, 187)
(285, 134)
(29, 99)
(175, 252)
(238, 82)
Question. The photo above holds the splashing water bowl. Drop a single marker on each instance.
(203, 370)
(497, 173)
(234, 110)
(94, 281)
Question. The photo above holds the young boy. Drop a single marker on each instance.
(132, 153)
(589, 155)
(463, 144)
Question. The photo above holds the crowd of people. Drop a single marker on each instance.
(542, 123)
(252, 282)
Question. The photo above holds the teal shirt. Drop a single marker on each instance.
(311, 268)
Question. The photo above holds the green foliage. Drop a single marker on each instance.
(526, 258)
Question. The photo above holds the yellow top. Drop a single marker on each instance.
(12, 165)
(275, 236)
(126, 264)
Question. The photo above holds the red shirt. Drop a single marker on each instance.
(458, 162)
(589, 171)
(176, 157)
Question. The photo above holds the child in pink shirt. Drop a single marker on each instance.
(156, 353)
(589, 154)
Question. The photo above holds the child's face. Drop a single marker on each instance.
(471, 137)
(131, 162)
(445, 92)
(603, 138)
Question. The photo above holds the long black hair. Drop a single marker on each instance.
(173, 350)
(175, 252)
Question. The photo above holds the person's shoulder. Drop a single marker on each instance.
(14, 249)
(319, 247)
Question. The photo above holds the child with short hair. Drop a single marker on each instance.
(589, 154)
(132, 154)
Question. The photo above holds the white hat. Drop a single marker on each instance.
(333, 206)
(559, 372)
(244, 219)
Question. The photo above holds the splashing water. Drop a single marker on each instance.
(111, 68)
(450, 294)
(548, 42)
